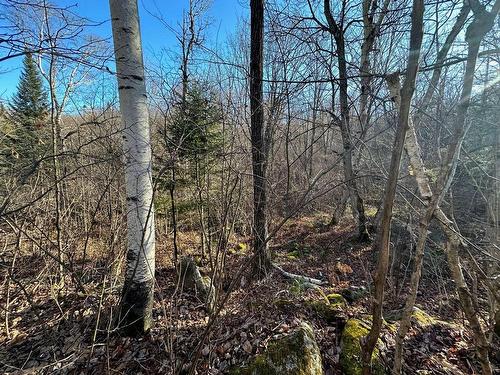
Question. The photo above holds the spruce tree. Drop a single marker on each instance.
(28, 112)
(195, 129)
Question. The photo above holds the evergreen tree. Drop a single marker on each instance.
(194, 141)
(29, 105)
(195, 129)
(28, 112)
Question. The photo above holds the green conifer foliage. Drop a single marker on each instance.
(195, 129)
(28, 112)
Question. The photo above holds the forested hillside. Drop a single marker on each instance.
(303, 187)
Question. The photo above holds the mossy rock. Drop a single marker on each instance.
(331, 308)
(419, 318)
(350, 349)
(294, 354)
(354, 293)
(206, 283)
(423, 319)
(336, 299)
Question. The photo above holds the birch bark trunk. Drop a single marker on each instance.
(137, 295)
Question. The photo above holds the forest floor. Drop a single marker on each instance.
(50, 331)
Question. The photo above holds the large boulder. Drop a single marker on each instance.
(350, 348)
(294, 354)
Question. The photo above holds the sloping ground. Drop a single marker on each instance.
(73, 333)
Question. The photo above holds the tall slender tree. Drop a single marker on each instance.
(357, 204)
(137, 295)
(382, 242)
(257, 136)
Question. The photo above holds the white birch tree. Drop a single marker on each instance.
(137, 296)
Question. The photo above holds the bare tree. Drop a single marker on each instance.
(444, 180)
(371, 29)
(382, 242)
(357, 205)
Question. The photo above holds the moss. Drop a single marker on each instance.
(391, 327)
(294, 354)
(419, 319)
(330, 308)
(336, 299)
(297, 250)
(208, 292)
(370, 211)
(432, 173)
(297, 288)
(422, 318)
(283, 303)
(350, 355)
(206, 281)
(240, 248)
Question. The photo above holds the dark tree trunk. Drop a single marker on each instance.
(356, 201)
(262, 258)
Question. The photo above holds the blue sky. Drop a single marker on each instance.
(224, 14)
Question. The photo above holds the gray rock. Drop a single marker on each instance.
(192, 279)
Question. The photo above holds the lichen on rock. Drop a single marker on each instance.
(294, 354)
